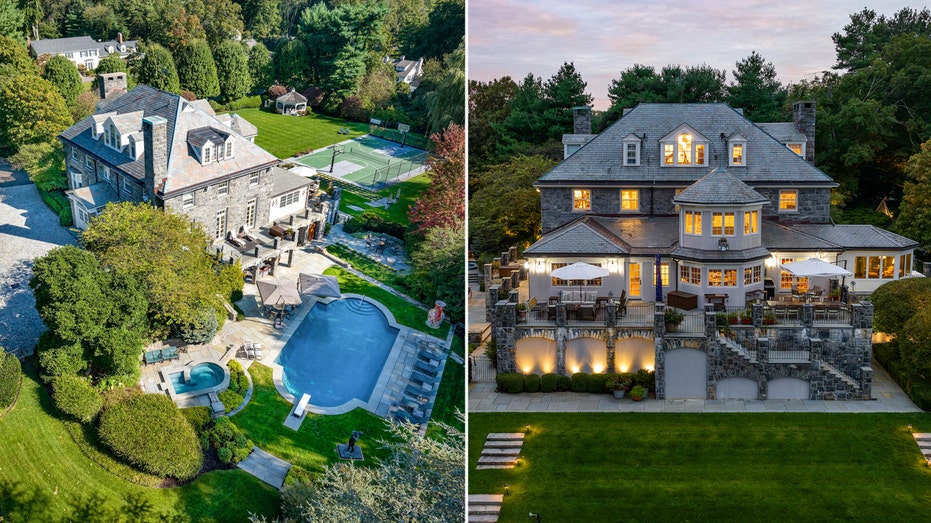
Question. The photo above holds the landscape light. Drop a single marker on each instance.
(527, 429)
(909, 428)
(506, 489)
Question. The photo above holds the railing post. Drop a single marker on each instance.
(711, 320)
(808, 315)
(560, 314)
(815, 349)
(659, 320)
(762, 350)
(757, 315)
(611, 315)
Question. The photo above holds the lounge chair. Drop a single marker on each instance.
(419, 376)
(153, 356)
(170, 353)
(425, 367)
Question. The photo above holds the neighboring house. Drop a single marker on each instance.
(408, 71)
(713, 204)
(151, 146)
(84, 51)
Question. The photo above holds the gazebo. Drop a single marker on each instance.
(291, 102)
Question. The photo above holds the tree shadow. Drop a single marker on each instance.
(18, 503)
(41, 223)
(20, 324)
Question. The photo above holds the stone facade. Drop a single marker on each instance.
(814, 205)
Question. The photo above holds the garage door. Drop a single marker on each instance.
(737, 389)
(686, 374)
(787, 389)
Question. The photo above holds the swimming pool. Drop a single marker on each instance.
(203, 376)
(337, 353)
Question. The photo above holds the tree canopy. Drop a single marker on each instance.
(157, 69)
(756, 90)
(64, 76)
(31, 111)
(443, 204)
(232, 70)
(197, 72)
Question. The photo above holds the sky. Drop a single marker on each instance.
(604, 37)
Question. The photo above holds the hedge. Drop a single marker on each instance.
(579, 382)
(917, 388)
(246, 102)
(369, 221)
(531, 383)
(198, 417)
(77, 398)
(596, 383)
(10, 373)
(510, 382)
(149, 431)
(563, 383)
(239, 384)
(548, 382)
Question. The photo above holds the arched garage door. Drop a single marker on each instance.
(787, 389)
(686, 374)
(737, 389)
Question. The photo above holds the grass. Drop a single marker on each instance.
(314, 445)
(709, 467)
(404, 313)
(410, 191)
(451, 393)
(44, 476)
(285, 136)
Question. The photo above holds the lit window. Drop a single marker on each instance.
(693, 222)
(664, 274)
(685, 150)
(696, 276)
(730, 277)
(187, 200)
(859, 270)
(785, 278)
(788, 200)
(888, 267)
(722, 224)
(737, 154)
(683, 274)
(581, 199)
(905, 265)
(714, 277)
(571, 283)
(223, 189)
(752, 275)
(796, 148)
(668, 151)
(253, 179)
(751, 222)
(630, 200)
(699, 154)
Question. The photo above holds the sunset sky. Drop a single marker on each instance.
(604, 37)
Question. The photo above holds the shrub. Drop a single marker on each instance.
(352, 108)
(201, 332)
(224, 454)
(225, 436)
(596, 383)
(563, 383)
(510, 382)
(548, 382)
(276, 90)
(10, 371)
(644, 378)
(531, 383)
(579, 382)
(198, 417)
(231, 399)
(369, 221)
(77, 398)
(150, 432)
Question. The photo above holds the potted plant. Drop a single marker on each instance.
(769, 318)
(618, 385)
(637, 393)
(521, 312)
(673, 318)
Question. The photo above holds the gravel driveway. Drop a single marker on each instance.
(28, 229)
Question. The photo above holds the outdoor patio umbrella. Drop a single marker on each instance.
(278, 293)
(815, 267)
(319, 285)
(580, 271)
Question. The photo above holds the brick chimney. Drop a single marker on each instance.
(803, 116)
(111, 84)
(581, 120)
(155, 136)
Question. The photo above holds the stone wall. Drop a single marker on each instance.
(814, 205)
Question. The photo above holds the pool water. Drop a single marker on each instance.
(203, 376)
(337, 353)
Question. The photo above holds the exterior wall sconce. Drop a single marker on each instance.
(540, 265)
(722, 244)
(612, 265)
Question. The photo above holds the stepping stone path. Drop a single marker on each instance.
(501, 450)
(484, 508)
(923, 439)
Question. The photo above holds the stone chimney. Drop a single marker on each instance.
(111, 84)
(803, 116)
(155, 135)
(119, 37)
(581, 120)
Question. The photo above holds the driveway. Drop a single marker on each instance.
(28, 230)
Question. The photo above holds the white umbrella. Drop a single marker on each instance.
(278, 293)
(580, 271)
(815, 267)
(319, 285)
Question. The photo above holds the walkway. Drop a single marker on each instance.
(266, 467)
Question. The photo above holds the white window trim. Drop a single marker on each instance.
(696, 141)
(228, 149)
(731, 146)
(779, 203)
(223, 188)
(625, 144)
(574, 209)
(634, 210)
(724, 233)
(127, 185)
(187, 203)
(800, 144)
(253, 176)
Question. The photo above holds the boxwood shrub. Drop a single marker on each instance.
(580, 382)
(77, 398)
(548, 382)
(596, 383)
(233, 396)
(149, 431)
(10, 372)
(231, 443)
(563, 383)
(510, 382)
(531, 383)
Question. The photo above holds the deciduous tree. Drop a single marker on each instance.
(261, 69)
(443, 204)
(31, 111)
(112, 63)
(197, 72)
(12, 21)
(291, 64)
(914, 219)
(446, 105)
(45, 164)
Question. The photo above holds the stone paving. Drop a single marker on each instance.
(28, 230)
(266, 467)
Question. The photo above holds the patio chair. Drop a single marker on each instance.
(425, 367)
(820, 312)
(153, 356)
(419, 376)
(170, 353)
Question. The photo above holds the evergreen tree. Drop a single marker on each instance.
(263, 17)
(197, 72)
(261, 68)
(756, 90)
(447, 104)
(112, 63)
(232, 70)
(157, 69)
(291, 64)
(12, 21)
(64, 76)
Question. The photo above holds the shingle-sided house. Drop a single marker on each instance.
(152, 146)
(694, 206)
(84, 51)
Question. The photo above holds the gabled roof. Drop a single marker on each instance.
(238, 124)
(600, 162)
(584, 236)
(199, 137)
(719, 187)
(785, 132)
(77, 43)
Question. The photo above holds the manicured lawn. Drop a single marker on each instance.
(410, 191)
(284, 136)
(45, 477)
(709, 467)
(405, 313)
(451, 393)
(313, 447)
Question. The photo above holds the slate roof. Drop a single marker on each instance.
(94, 196)
(857, 236)
(600, 161)
(719, 187)
(238, 124)
(755, 253)
(291, 98)
(77, 43)
(184, 169)
(783, 237)
(198, 137)
(284, 181)
(785, 132)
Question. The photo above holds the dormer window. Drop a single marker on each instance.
(797, 148)
(229, 150)
(737, 151)
(631, 150)
(132, 147)
(208, 151)
(684, 148)
(111, 136)
(737, 154)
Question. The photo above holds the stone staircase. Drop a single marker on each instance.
(501, 450)
(484, 508)
(833, 371)
(737, 348)
(923, 439)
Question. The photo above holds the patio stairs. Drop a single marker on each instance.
(501, 450)
(484, 508)
(923, 439)
(832, 370)
(737, 348)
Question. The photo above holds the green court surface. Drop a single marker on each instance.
(368, 161)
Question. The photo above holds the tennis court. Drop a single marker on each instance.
(368, 161)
